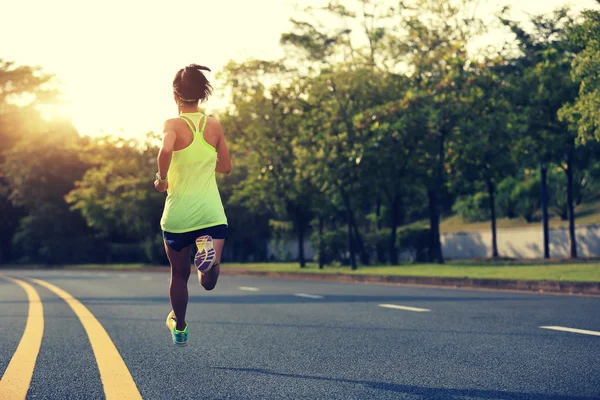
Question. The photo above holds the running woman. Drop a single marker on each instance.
(193, 149)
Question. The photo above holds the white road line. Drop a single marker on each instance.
(248, 289)
(564, 329)
(123, 275)
(394, 306)
(310, 296)
(146, 278)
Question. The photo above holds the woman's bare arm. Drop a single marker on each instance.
(223, 158)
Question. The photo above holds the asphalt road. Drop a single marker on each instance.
(259, 338)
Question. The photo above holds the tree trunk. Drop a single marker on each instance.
(350, 236)
(544, 186)
(492, 194)
(321, 246)
(394, 228)
(300, 231)
(434, 208)
(379, 246)
(364, 255)
(570, 210)
(434, 230)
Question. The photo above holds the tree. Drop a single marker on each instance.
(40, 171)
(482, 150)
(248, 229)
(545, 69)
(341, 90)
(114, 195)
(583, 114)
(435, 49)
(390, 154)
(264, 125)
(21, 88)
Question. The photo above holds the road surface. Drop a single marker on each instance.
(97, 335)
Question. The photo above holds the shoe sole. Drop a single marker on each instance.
(170, 320)
(206, 254)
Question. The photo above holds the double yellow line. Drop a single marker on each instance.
(115, 376)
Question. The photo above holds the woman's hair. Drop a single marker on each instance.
(191, 85)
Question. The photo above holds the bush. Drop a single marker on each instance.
(124, 253)
(154, 250)
(39, 239)
(379, 239)
(87, 250)
(335, 245)
(473, 208)
(583, 186)
(416, 241)
(506, 201)
(527, 196)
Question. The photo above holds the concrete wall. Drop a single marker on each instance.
(288, 250)
(521, 243)
(515, 243)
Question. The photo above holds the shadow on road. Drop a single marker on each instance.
(425, 392)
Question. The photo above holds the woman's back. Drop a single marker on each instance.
(193, 200)
(185, 132)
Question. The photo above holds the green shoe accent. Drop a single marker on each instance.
(180, 338)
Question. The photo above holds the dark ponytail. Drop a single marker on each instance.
(191, 85)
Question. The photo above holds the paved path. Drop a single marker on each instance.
(258, 338)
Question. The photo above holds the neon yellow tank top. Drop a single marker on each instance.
(193, 200)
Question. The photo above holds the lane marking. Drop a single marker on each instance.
(15, 382)
(116, 378)
(248, 289)
(573, 330)
(146, 278)
(394, 306)
(309, 296)
(123, 275)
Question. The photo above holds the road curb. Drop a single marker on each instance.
(548, 287)
(571, 288)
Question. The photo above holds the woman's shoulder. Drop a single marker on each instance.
(174, 124)
(173, 121)
(213, 122)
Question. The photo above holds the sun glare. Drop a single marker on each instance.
(118, 82)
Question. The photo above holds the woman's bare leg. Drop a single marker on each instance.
(208, 280)
(178, 290)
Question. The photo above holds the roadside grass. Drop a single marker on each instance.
(555, 270)
(567, 272)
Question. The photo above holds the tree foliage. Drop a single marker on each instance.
(378, 119)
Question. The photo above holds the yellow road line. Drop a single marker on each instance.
(17, 377)
(116, 378)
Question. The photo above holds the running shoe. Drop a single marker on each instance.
(205, 256)
(180, 338)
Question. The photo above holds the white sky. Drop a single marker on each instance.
(117, 58)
